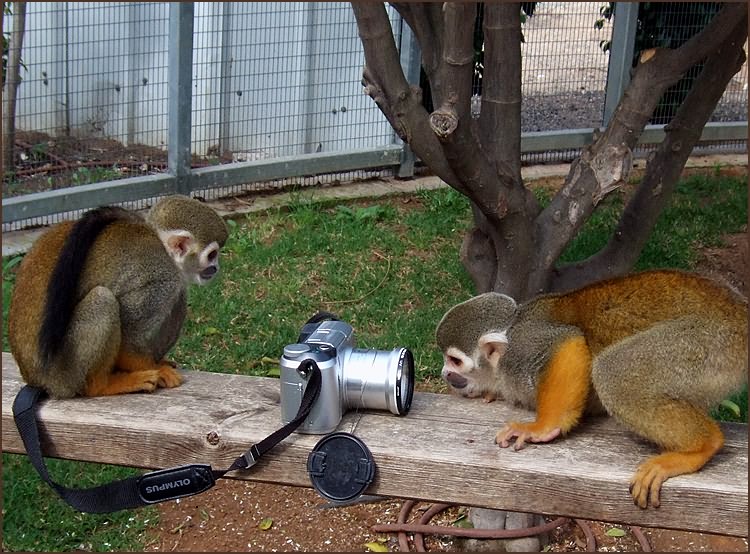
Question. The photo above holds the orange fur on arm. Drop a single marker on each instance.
(564, 388)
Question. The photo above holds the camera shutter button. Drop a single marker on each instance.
(295, 350)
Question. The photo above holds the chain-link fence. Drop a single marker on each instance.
(269, 79)
(110, 87)
(288, 81)
(94, 91)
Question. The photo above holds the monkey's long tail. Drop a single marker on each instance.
(62, 290)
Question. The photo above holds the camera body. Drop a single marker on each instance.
(350, 377)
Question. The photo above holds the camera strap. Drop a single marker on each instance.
(156, 486)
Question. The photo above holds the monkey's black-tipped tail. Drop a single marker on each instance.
(63, 286)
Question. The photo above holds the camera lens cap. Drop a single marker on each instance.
(341, 467)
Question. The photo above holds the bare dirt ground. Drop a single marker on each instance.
(230, 517)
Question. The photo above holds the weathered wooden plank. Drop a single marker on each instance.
(441, 451)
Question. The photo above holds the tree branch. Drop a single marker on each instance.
(491, 154)
(451, 90)
(426, 21)
(450, 79)
(500, 119)
(663, 169)
(604, 165)
(385, 83)
(451, 93)
(12, 81)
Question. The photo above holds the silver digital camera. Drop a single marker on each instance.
(351, 377)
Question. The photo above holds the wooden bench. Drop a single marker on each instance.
(442, 451)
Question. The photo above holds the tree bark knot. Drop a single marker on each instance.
(444, 121)
(611, 167)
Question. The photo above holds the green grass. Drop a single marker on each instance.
(703, 208)
(388, 267)
(36, 519)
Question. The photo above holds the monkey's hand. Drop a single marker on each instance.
(523, 432)
(489, 397)
(561, 397)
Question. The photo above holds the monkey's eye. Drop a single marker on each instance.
(212, 255)
(455, 361)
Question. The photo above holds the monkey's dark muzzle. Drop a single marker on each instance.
(455, 380)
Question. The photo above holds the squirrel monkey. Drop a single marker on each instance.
(656, 350)
(99, 302)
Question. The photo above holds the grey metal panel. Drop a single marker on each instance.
(620, 55)
(86, 196)
(571, 139)
(135, 188)
(715, 130)
(180, 89)
(567, 139)
(294, 166)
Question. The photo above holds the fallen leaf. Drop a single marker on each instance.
(463, 522)
(266, 524)
(615, 532)
(376, 547)
(732, 407)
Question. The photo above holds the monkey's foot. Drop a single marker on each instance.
(523, 432)
(119, 382)
(168, 375)
(645, 486)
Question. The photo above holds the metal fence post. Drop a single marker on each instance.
(180, 99)
(226, 78)
(620, 55)
(411, 63)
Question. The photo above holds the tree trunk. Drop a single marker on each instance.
(664, 167)
(12, 80)
(515, 245)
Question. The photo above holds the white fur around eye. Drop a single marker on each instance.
(465, 362)
(212, 248)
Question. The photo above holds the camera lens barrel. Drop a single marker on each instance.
(379, 379)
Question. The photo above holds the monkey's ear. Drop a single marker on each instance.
(493, 346)
(177, 242)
